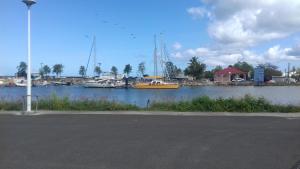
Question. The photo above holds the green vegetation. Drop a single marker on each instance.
(195, 69)
(142, 69)
(98, 70)
(245, 67)
(58, 69)
(127, 69)
(247, 104)
(114, 71)
(205, 104)
(172, 70)
(82, 71)
(270, 70)
(55, 103)
(22, 69)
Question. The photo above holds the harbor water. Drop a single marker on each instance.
(285, 95)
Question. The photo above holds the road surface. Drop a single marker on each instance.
(148, 142)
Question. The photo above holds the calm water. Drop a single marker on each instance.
(277, 95)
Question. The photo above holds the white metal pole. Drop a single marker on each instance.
(29, 64)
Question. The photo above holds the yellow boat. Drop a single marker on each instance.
(156, 85)
(156, 82)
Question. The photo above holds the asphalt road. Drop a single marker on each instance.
(148, 142)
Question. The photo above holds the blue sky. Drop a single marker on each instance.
(62, 32)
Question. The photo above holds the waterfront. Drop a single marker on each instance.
(275, 94)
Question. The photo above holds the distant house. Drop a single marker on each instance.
(226, 76)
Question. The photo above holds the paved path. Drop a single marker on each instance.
(148, 142)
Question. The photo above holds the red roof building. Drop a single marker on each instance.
(227, 75)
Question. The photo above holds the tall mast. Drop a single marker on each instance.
(95, 54)
(162, 53)
(155, 58)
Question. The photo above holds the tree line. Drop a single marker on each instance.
(195, 68)
(44, 71)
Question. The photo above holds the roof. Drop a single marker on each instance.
(229, 70)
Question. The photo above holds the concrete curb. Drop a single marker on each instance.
(145, 113)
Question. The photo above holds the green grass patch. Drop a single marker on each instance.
(246, 104)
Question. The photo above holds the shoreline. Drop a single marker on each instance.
(156, 113)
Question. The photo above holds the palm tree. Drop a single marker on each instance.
(58, 69)
(142, 68)
(127, 69)
(98, 70)
(46, 70)
(114, 71)
(22, 69)
(82, 71)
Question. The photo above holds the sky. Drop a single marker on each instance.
(218, 32)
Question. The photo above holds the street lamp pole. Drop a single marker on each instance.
(29, 3)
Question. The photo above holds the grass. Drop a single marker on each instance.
(205, 104)
(202, 104)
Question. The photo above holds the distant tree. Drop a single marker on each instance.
(82, 71)
(171, 70)
(270, 70)
(98, 70)
(114, 71)
(22, 69)
(127, 69)
(46, 70)
(195, 69)
(58, 69)
(41, 72)
(209, 75)
(217, 68)
(142, 68)
(245, 67)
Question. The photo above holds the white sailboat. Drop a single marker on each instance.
(20, 82)
(99, 84)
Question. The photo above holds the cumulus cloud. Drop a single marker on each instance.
(214, 57)
(236, 26)
(247, 23)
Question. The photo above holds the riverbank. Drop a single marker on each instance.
(246, 104)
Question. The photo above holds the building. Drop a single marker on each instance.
(226, 76)
(259, 76)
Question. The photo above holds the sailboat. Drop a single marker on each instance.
(97, 82)
(157, 82)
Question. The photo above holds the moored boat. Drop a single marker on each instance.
(99, 84)
(156, 85)
(157, 82)
(20, 82)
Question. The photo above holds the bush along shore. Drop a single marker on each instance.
(246, 104)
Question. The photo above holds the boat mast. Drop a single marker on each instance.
(93, 49)
(161, 53)
(95, 55)
(155, 58)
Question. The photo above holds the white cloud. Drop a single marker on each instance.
(247, 23)
(237, 25)
(177, 46)
(214, 57)
(276, 54)
(198, 12)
